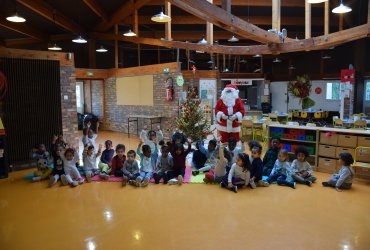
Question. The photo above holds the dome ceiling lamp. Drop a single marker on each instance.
(102, 49)
(129, 33)
(341, 9)
(55, 47)
(161, 18)
(79, 39)
(16, 18)
(316, 1)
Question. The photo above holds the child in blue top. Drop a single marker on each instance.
(281, 171)
(343, 179)
(147, 164)
(256, 169)
(210, 153)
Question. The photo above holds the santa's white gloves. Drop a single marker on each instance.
(233, 117)
(223, 116)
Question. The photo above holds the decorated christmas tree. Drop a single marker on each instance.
(192, 120)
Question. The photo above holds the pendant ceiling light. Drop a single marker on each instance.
(316, 1)
(258, 55)
(226, 70)
(291, 67)
(129, 33)
(243, 60)
(161, 18)
(341, 9)
(16, 18)
(233, 39)
(203, 41)
(55, 47)
(326, 57)
(276, 60)
(101, 49)
(79, 39)
(210, 62)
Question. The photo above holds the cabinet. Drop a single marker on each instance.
(325, 144)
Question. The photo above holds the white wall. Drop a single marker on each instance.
(320, 99)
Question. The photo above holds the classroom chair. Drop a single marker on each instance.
(247, 129)
(360, 124)
(338, 123)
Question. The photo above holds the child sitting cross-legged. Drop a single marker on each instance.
(199, 159)
(72, 176)
(256, 169)
(147, 163)
(238, 175)
(130, 169)
(271, 156)
(89, 159)
(179, 158)
(58, 169)
(343, 179)
(116, 166)
(301, 169)
(281, 171)
(106, 157)
(210, 153)
(234, 149)
(216, 174)
(164, 164)
(40, 152)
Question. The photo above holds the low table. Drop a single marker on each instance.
(135, 118)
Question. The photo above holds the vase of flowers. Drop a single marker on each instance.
(301, 88)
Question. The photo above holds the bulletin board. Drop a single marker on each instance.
(135, 90)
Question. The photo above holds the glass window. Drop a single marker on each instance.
(78, 95)
(367, 91)
(333, 90)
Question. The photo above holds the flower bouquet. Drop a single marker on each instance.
(301, 88)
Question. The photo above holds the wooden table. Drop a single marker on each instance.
(135, 118)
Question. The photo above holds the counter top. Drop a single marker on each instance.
(324, 129)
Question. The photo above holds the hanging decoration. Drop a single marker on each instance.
(347, 75)
(301, 88)
(318, 90)
(3, 85)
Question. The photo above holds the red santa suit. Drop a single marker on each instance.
(229, 112)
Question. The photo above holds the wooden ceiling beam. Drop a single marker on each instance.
(22, 28)
(122, 12)
(316, 43)
(97, 9)
(258, 3)
(256, 20)
(225, 20)
(46, 11)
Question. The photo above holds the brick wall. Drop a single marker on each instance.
(116, 115)
(69, 108)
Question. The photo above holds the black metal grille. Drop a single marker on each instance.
(32, 106)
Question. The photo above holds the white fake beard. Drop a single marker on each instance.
(229, 98)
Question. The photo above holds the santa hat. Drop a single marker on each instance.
(232, 87)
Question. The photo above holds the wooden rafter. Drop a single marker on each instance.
(259, 3)
(22, 28)
(46, 11)
(97, 9)
(257, 20)
(225, 20)
(122, 12)
(316, 43)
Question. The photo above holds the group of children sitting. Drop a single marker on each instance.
(223, 163)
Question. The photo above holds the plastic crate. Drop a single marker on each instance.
(293, 131)
(302, 137)
(292, 148)
(310, 138)
(287, 147)
(287, 136)
(311, 150)
(294, 137)
(301, 132)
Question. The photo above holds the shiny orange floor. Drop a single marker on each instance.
(102, 215)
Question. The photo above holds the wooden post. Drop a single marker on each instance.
(326, 18)
(261, 64)
(116, 47)
(138, 54)
(218, 61)
(136, 22)
(226, 5)
(210, 30)
(159, 55)
(276, 10)
(224, 62)
(340, 25)
(168, 24)
(307, 20)
(188, 57)
(103, 101)
(322, 64)
(289, 69)
(92, 53)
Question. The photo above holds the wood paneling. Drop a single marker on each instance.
(96, 73)
(32, 54)
(144, 70)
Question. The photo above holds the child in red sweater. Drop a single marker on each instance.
(117, 162)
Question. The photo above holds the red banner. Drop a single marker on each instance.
(347, 75)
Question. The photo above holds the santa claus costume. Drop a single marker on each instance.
(229, 112)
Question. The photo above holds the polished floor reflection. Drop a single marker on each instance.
(102, 215)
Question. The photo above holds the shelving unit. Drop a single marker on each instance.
(328, 143)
